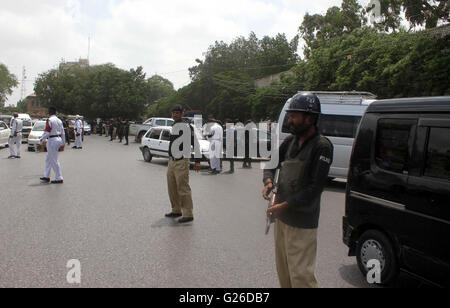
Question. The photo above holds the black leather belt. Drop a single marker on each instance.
(56, 136)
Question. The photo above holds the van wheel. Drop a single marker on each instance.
(375, 245)
(147, 155)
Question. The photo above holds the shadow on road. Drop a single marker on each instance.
(39, 185)
(352, 275)
(158, 162)
(167, 222)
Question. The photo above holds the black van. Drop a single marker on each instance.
(398, 191)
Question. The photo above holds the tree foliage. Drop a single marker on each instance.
(223, 83)
(8, 82)
(102, 91)
(254, 57)
(389, 65)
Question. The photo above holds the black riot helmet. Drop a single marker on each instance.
(305, 102)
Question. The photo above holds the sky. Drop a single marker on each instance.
(164, 37)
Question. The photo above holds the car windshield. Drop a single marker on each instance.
(39, 127)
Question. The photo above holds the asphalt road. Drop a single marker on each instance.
(109, 214)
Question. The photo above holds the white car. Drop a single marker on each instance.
(35, 135)
(156, 141)
(87, 129)
(5, 132)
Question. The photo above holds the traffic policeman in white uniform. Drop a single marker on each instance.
(16, 136)
(55, 136)
(78, 127)
(215, 148)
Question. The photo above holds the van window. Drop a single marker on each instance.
(339, 125)
(438, 154)
(391, 149)
(155, 134)
(26, 123)
(170, 122)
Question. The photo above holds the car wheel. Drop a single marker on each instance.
(374, 245)
(147, 155)
(30, 149)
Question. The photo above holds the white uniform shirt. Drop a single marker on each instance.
(16, 126)
(54, 127)
(78, 126)
(217, 132)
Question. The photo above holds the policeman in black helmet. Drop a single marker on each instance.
(305, 160)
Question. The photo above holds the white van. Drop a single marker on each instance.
(339, 122)
(27, 126)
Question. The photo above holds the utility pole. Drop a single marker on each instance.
(89, 48)
(24, 86)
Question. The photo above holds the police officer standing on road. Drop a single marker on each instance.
(54, 133)
(120, 130)
(66, 130)
(215, 148)
(78, 127)
(230, 132)
(15, 136)
(305, 160)
(180, 193)
(126, 130)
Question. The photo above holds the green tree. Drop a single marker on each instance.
(8, 82)
(102, 91)
(157, 88)
(251, 56)
(317, 29)
(390, 65)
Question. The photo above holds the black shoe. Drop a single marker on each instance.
(18, 157)
(185, 220)
(45, 180)
(80, 148)
(74, 148)
(58, 182)
(173, 215)
(11, 156)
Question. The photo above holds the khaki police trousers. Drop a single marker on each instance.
(295, 254)
(180, 192)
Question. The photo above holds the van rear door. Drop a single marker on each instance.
(428, 198)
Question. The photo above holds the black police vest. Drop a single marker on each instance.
(294, 174)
